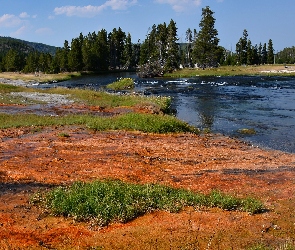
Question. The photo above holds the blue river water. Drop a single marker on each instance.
(223, 104)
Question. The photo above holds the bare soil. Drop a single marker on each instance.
(33, 159)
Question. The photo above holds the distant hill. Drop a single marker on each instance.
(7, 43)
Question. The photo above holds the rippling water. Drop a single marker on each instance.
(224, 104)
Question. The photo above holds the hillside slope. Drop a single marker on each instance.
(7, 43)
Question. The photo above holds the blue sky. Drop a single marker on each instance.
(54, 21)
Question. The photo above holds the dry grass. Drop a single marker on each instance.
(40, 77)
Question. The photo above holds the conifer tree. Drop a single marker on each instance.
(188, 54)
(270, 52)
(242, 48)
(103, 50)
(264, 54)
(127, 52)
(172, 48)
(206, 44)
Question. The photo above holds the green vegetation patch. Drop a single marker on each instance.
(122, 84)
(115, 201)
(132, 122)
(88, 97)
(7, 88)
(142, 122)
(247, 131)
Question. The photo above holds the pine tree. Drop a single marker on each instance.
(172, 48)
(188, 54)
(250, 53)
(103, 50)
(75, 54)
(116, 43)
(32, 62)
(64, 57)
(127, 52)
(11, 60)
(206, 45)
(270, 52)
(260, 54)
(242, 48)
(264, 54)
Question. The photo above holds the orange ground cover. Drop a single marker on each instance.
(31, 160)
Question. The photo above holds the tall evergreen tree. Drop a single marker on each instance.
(104, 50)
(127, 52)
(160, 52)
(270, 52)
(206, 45)
(11, 60)
(116, 43)
(32, 62)
(264, 54)
(64, 57)
(75, 54)
(172, 48)
(242, 48)
(188, 54)
(260, 53)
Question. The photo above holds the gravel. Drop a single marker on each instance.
(55, 99)
(18, 82)
(44, 97)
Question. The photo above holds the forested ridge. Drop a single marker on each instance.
(158, 53)
(7, 43)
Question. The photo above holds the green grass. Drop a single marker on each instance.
(115, 201)
(130, 122)
(88, 97)
(232, 71)
(122, 84)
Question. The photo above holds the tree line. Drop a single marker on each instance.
(158, 53)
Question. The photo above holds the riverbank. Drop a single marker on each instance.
(35, 158)
(272, 70)
(268, 70)
(21, 79)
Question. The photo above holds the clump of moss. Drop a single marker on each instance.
(247, 131)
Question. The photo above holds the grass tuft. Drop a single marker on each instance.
(115, 201)
(122, 84)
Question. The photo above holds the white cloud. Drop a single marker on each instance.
(20, 31)
(181, 5)
(85, 11)
(119, 4)
(90, 10)
(8, 21)
(24, 15)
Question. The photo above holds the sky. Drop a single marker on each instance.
(53, 21)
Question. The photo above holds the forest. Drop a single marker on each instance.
(159, 53)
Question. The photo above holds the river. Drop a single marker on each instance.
(223, 104)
